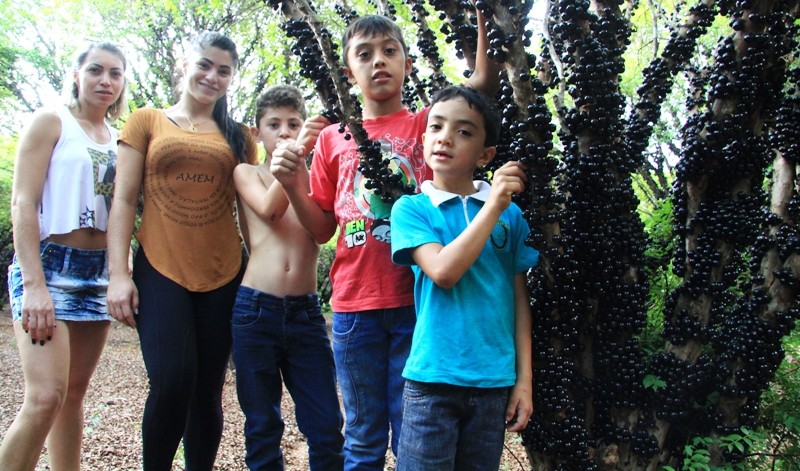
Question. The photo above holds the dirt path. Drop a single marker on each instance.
(113, 408)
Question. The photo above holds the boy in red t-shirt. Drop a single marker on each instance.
(372, 299)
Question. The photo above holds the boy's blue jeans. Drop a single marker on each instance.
(274, 337)
(371, 348)
(448, 428)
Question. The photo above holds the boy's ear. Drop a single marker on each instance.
(409, 66)
(350, 77)
(255, 134)
(487, 156)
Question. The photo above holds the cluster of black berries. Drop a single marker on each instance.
(307, 49)
(347, 14)
(592, 303)
(724, 235)
(342, 107)
(460, 31)
(658, 77)
(426, 43)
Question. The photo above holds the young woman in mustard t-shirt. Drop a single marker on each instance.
(189, 265)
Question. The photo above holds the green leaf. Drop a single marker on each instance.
(654, 382)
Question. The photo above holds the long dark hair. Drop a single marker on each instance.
(231, 129)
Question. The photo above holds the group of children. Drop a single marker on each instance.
(440, 355)
(437, 357)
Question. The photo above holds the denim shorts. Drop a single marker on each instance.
(76, 278)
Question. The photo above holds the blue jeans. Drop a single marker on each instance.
(274, 337)
(449, 427)
(371, 348)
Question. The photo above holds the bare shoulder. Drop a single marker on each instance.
(244, 170)
(244, 173)
(39, 138)
(46, 116)
(44, 124)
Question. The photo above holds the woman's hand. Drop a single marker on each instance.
(122, 299)
(38, 313)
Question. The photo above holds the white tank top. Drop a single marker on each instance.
(80, 180)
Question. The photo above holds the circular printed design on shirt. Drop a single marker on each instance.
(190, 181)
(370, 204)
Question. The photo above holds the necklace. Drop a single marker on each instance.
(193, 126)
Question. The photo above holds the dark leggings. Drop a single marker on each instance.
(185, 339)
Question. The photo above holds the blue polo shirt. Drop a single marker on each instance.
(464, 335)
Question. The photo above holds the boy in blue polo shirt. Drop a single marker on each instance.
(469, 373)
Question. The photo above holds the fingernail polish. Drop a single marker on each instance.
(41, 342)
(33, 341)
(49, 338)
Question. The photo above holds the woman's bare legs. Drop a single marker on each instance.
(56, 378)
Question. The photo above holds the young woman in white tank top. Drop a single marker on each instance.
(63, 182)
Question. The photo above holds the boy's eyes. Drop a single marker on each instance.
(389, 51)
(276, 125)
(438, 127)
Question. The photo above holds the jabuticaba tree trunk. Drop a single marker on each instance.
(723, 348)
(588, 369)
(588, 294)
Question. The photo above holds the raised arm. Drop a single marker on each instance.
(30, 171)
(259, 193)
(123, 297)
(445, 265)
(486, 76)
(273, 206)
(288, 162)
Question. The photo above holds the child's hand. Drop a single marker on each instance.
(288, 163)
(520, 407)
(507, 180)
(310, 131)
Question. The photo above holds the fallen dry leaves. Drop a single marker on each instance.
(114, 403)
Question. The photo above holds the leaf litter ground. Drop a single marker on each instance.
(114, 403)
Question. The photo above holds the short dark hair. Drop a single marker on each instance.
(280, 96)
(479, 102)
(372, 25)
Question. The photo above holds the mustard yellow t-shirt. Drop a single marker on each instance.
(188, 229)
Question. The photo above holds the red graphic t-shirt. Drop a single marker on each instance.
(363, 275)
